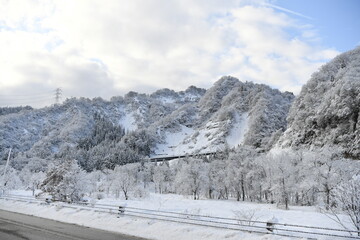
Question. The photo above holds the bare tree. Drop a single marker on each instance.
(347, 197)
(125, 178)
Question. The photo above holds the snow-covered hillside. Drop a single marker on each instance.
(101, 133)
(327, 110)
(231, 113)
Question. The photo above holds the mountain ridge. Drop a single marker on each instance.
(102, 134)
(326, 112)
(166, 122)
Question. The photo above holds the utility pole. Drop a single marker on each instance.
(7, 161)
(58, 93)
(2, 187)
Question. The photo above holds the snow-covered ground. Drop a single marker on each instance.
(188, 140)
(128, 122)
(204, 139)
(237, 133)
(174, 143)
(156, 229)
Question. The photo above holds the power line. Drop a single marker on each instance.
(28, 95)
(47, 100)
(26, 98)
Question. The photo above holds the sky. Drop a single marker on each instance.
(93, 48)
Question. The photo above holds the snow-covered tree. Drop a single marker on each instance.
(32, 180)
(191, 178)
(326, 112)
(66, 181)
(283, 167)
(239, 165)
(347, 197)
(217, 186)
(124, 178)
(327, 173)
(162, 177)
(10, 179)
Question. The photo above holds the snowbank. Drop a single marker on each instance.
(161, 230)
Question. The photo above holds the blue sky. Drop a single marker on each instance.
(337, 22)
(93, 48)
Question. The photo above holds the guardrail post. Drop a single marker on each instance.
(270, 224)
(121, 211)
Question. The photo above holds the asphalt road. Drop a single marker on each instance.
(15, 226)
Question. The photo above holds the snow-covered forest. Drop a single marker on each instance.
(286, 178)
(101, 134)
(327, 110)
(283, 177)
(269, 147)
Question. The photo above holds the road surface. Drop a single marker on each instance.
(15, 226)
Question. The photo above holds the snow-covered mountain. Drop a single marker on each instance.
(101, 133)
(166, 122)
(229, 114)
(327, 110)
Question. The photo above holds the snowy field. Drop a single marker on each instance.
(156, 229)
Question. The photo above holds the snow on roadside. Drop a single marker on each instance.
(308, 216)
(167, 230)
(146, 228)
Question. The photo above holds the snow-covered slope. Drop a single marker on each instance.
(327, 110)
(166, 122)
(231, 113)
(237, 133)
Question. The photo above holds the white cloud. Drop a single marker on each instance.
(102, 48)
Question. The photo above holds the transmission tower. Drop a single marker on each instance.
(58, 93)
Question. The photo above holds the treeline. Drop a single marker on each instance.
(109, 145)
(304, 178)
(285, 178)
(9, 110)
(106, 146)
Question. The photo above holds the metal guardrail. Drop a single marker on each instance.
(262, 227)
